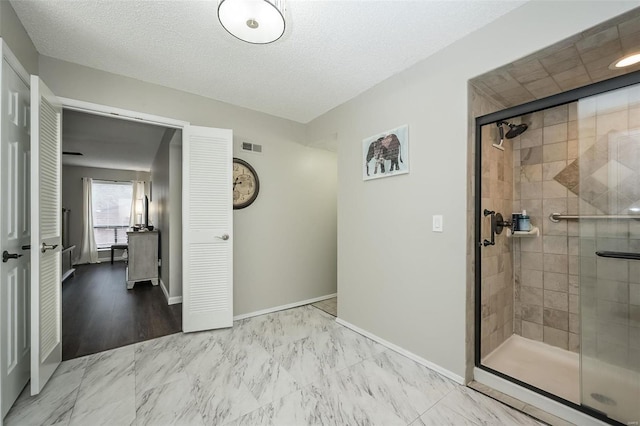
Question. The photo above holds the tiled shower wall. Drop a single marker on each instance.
(496, 266)
(546, 267)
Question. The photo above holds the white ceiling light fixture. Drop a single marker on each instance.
(626, 61)
(253, 21)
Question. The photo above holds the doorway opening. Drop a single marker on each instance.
(118, 164)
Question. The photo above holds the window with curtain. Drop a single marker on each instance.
(111, 211)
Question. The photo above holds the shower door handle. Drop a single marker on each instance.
(619, 255)
(493, 233)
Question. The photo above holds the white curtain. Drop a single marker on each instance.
(136, 210)
(88, 248)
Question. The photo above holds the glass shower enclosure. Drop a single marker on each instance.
(608, 190)
(558, 303)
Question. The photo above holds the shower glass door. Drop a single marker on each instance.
(605, 180)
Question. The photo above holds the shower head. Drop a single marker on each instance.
(514, 130)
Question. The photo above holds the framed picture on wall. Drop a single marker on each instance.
(386, 154)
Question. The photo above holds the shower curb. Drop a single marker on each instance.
(521, 406)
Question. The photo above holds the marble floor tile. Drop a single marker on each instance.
(199, 351)
(109, 377)
(439, 415)
(281, 328)
(347, 403)
(265, 378)
(169, 404)
(309, 359)
(481, 409)
(77, 364)
(407, 396)
(152, 353)
(412, 374)
(299, 408)
(326, 403)
(120, 412)
(293, 367)
(220, 394)
(53, 406)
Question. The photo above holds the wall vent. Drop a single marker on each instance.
(253, 147)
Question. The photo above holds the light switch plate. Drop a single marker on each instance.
(437, 223)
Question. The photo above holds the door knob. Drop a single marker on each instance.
(6, 256)
(46, 247)
(224, 237)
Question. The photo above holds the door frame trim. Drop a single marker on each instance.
(14, 63)
(120, 113)
(516, 111)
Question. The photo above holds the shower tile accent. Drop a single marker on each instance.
(606, 169)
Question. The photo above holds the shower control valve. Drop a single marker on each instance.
(497, 225)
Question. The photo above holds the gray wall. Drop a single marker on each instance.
(72, 195)
(285, 243)
(16, 37)
(175, 214)
(288, 235)
(417, 298)
(159, 206)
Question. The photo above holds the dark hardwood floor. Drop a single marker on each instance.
(99, 313)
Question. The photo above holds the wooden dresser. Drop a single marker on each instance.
(143, 257)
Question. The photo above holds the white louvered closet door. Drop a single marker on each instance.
(46, 239)
(207, 223)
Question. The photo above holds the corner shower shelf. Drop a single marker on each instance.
(534, 232)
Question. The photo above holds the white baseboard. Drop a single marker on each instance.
(283, 307)
(164, 290)
(535, 399)
(170, 300)
(435, 367)
(68, 274)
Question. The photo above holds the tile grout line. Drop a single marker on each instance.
(75, 400)
(433, 405)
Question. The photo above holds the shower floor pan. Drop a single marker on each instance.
(607, 388)
(546, 367)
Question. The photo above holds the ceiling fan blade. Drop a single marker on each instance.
(71, 153)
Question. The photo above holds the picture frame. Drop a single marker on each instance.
(386, 154)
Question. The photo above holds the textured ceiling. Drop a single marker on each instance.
(109, 143)
(331, 50)
(575, 62)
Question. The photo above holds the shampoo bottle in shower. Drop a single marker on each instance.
(524, 223)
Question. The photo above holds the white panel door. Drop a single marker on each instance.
(46, 238)
(207, 239)
(14, 234)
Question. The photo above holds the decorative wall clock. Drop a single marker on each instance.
(246, 184)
